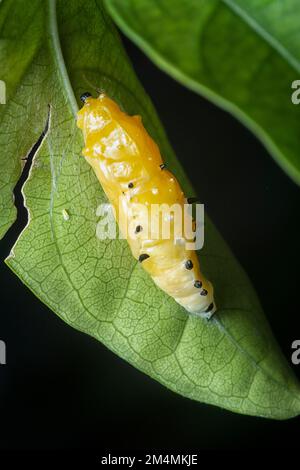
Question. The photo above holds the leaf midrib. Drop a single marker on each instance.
(58, 55)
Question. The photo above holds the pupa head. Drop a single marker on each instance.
(94, 114)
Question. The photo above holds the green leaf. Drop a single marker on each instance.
(97, 286)
(242, 55)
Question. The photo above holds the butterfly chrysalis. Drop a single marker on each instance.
(128, 164)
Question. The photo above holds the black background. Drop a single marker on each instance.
(61, 389)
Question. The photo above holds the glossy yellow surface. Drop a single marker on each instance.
(127, 163)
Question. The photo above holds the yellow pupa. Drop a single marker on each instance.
(128, 164)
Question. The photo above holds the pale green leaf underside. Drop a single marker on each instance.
(241, 54)
(95, 286)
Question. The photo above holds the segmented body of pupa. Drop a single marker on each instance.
(128, 164)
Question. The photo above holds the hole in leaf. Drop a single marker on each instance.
(21, 221)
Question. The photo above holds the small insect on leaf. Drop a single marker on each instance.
(65, 214)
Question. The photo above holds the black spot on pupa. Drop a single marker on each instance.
(191, 200)
(143, 256)
(209, 308)
(198, 284)
(189, 264)
(203, 292)
(130, 185)
(84, 96)
(138, 228)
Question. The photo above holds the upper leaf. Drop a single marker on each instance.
(97, 286)
(242, 55)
